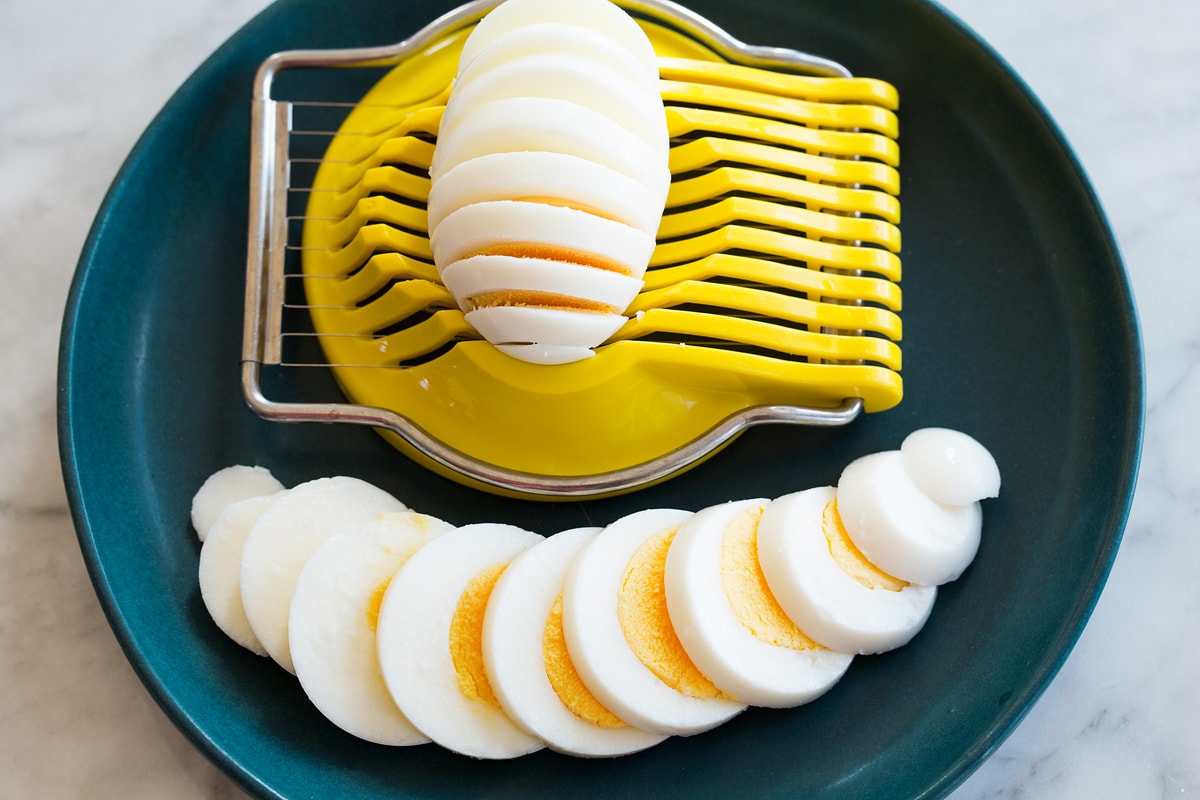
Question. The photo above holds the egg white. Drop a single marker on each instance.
(283, 538)
(473, 228)
(899, 528)
(562, 37)
(560, 178)
(601, 16)
(331, 624)
(546, 354)
(226, 486)
(739, 661)
(512, 327)
(513, 650)
(414, 644)
(949, 466)
(480, 275)
(597, 643)
(221, 568)
(540, 124)
(563, 76)
(824, 600)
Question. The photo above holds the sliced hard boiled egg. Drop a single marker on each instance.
(228, 485)
(537, 230)
(221, 568)
(546, 354)
(539, 124)
(619, 633)
(527, 662)
(516, 326)
(602, 16)
(562, 76)
(950, 466)
(482, 281)
(333, 618)
(899, 528)
(825, 584)
(548, 177)
(730, 623)
(562, 37)
(429, 640)
(283, 538)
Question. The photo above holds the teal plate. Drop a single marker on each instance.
(1019, 329)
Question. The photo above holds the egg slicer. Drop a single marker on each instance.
(772, 295)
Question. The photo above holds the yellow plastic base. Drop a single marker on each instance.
(633, 402)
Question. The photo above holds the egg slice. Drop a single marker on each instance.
(283, 538)
(333, 619)
(548, 177)
(553, 145)
(527, 331)
(728, 620)
(226, 486)
(619, 633)
(429, 640)
(538, 230)
(601, 16)
(949, 466)
(899, 528)
(482, 281)
(527, 662)
(562, 37)
(827, 586)
(221, 568)
(562, 76)
(539, 124)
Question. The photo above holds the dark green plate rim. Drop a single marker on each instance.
(1020, 328)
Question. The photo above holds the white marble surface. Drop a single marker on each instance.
(79, 82)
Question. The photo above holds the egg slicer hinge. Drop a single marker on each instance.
(772, 295)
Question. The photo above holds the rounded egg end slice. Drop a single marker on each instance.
(226, 486)
(950, 466)
(899, 528)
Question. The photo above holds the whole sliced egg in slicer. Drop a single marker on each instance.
(770, 292)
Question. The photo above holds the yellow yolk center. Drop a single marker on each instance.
(466, 636)
(746, 588)
(564, 678)
(551, 252)
(850, 558)
(642, 611)
(374, 602)
(538, 299)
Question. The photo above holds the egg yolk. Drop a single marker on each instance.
(642, 611)
(466, 636)
(374, 602)
(538, 299)
(564, 678)
(564, 203)
(551, 252)
(745, 587)
(850, 558)
(424, 532)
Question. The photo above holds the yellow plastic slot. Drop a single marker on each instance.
(775, 280)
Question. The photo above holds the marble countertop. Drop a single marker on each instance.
(80, 82)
